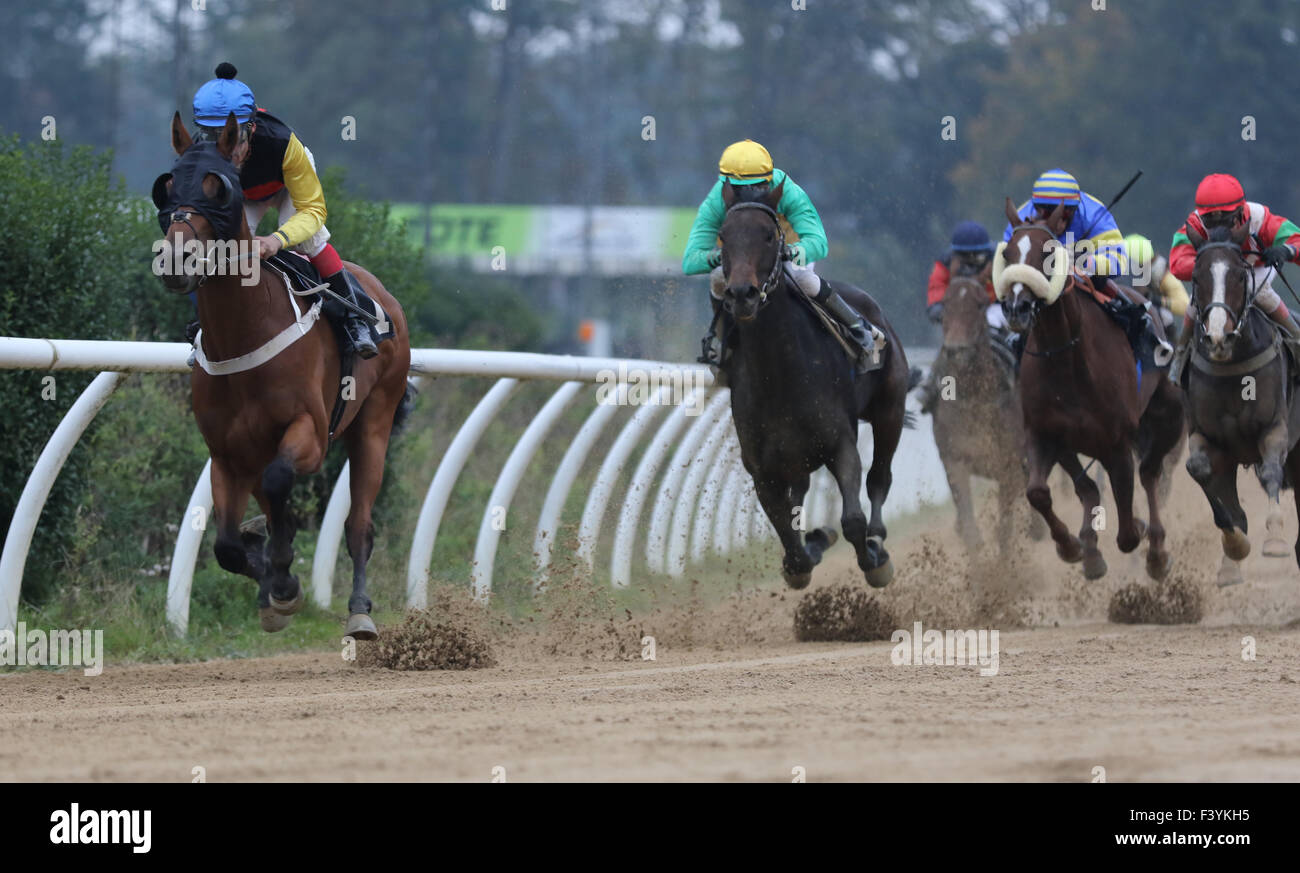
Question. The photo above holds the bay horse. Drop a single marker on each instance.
(266, 424)
(1080, 394)
(795, 400)
(1242, 405)
(977, 426)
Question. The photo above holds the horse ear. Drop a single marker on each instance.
(1056, 221)
(1194, 236)
(1012, 216)
(180, 136)
(987, 273)
(1239, 233)
(229, 137)
(773, 198)
(728, 194)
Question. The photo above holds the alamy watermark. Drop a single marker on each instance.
(196, 257)
(640, 386)
(951, 648)
(54, 648)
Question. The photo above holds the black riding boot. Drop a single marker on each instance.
(355, 328)
(863, 332)
(191, 331)
(713, 349)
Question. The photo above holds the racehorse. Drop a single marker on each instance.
(1241, 399)
(1081, 393)
(270, 422)
(977, 426)
(795, 400)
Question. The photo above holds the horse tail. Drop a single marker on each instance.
(404, 407)
(914, 377)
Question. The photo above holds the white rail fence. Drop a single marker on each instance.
(704, 502)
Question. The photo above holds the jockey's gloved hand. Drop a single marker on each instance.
(715, 258)
(796, 254)
(1276, 256)
(935, 312)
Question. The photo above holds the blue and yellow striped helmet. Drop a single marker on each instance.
(1056, 186)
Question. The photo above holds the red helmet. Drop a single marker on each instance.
(1219, 192)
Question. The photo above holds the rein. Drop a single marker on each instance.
(773, 279)
(1038, 303)
(1238, 318)
(182, 217)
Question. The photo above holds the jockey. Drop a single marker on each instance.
(277, 170)
(968, 255)
(1271, 242)
(1099, 254)
(748, 163)
(1162, 287)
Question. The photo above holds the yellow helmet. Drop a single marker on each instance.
(1140, 250)
(746, 163)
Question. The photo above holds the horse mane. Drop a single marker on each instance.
(1219, 234)
(751, 193)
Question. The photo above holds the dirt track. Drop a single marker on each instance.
(732, 697)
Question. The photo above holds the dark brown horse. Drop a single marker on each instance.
(795, 401)
(977, 426)
(267, 424)
(1242, 405)
(1080, 395)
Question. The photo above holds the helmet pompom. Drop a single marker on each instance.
(226, 70)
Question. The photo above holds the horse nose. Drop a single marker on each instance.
(1023, 308)
(743, 293)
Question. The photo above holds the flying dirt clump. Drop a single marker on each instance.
(842, 613)
(1172, 601)
(425, 641)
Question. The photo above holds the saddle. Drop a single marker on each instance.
(305, 281)
(839, 332)
(303, 277)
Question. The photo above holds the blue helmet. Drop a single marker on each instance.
(970, 236)
(217, 98)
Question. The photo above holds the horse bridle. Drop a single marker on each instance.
(1037, 303)
(209, 267)
(774, 277)
(1238, 318)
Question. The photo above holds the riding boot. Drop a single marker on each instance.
(355, 328)
(1160, 351)
(191, 331)
(1290, 335)
(1182, 352)
(870, 339)
(713, 349)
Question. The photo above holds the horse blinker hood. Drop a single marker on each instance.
(187, 175)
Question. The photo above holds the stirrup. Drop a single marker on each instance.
(707, 354)
(871, 342)
(358, 334)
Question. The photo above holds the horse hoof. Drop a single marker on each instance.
(361, 627)
(1235, 544)
(273, 621)
(1070, 552)
(882, 575)
(1275, 548)
(289, 607)
(821, 538)
(1229, 574)
(797, 581)
(1094, 566)
(1158, 564)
